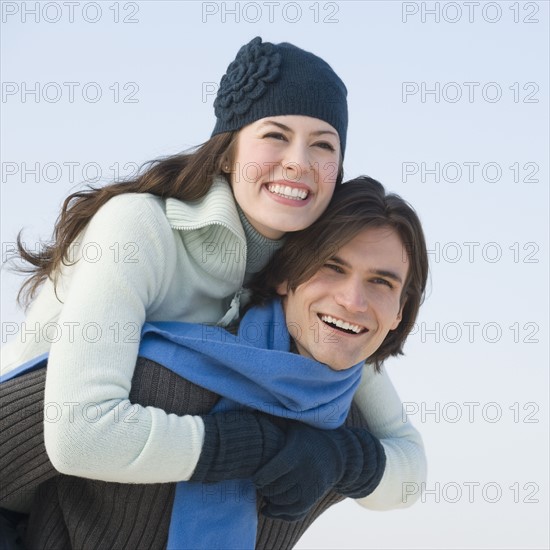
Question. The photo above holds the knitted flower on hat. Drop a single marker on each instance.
(246, 80)
(269, 80)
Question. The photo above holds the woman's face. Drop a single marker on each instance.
(284, 172)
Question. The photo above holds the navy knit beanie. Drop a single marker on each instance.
(279, 79)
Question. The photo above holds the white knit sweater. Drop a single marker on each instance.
(144, 259)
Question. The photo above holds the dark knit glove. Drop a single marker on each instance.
(312, 462)
(236, 444)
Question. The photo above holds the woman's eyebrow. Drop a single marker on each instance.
(278, 124)
(288, 129)
(321, 132)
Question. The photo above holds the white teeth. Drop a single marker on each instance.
(288, 192)
(341, 324)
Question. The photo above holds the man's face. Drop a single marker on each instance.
(344, 312)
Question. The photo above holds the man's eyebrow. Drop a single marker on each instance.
(338, 260)
(288, 129)
(380, 272)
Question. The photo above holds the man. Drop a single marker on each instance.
(350, 288)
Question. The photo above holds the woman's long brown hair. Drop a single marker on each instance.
(185, 176)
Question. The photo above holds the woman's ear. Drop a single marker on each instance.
(282, 288)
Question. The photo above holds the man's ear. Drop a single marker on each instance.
(399, 316)
(282, 288)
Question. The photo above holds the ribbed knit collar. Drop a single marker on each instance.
(215, 208)
(259, 248)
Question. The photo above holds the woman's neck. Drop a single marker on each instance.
(260, 249)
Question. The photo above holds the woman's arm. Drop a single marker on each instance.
(97, 433)
(382, 409)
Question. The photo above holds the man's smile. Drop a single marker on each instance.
(340, 324)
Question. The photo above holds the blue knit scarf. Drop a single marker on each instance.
(237, 367)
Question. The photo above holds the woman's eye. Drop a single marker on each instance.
(276, 135)
(325, 145)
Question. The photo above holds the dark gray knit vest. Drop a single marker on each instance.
(70, 513)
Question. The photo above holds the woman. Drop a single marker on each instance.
(200, 224)
(359, 210)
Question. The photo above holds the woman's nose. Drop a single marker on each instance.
(297, 161)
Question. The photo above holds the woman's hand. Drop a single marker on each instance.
(236, 444)
(314, 461)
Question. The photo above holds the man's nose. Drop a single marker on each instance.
(353, 296)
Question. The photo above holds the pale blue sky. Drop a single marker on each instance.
(488, 300)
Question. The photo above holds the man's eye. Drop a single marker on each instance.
(334, 267)
(382, 282)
